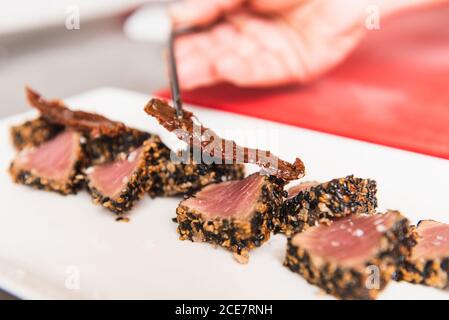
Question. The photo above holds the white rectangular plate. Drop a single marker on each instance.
(65, 247)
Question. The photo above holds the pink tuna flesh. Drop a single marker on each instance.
(110, 179)
(305, 186)
(349, 242)
(433, 241)
(54, 159)
(230, 199)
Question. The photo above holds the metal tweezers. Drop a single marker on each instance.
(173, 73)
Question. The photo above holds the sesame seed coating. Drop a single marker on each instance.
(236, 235)
(323, 202)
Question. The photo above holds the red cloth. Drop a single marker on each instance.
(394, 90)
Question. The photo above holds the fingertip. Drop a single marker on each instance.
(187, 13)
(270, 6)
(195, 71)
(191, 13)
(233, 68)
(184, 46)
(224, 32)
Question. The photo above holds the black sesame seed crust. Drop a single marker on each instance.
(186, 178)
(430, 272)
(98, 150)
(166, 178)
(238, 236)
(434, 272)
(71, 186)
(349, 283)
(33, 133)
(137, 184)
(104, 149)
(334, 199)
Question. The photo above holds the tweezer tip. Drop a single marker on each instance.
(174, 84)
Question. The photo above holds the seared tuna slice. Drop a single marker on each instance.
(188, 129)
(429, 262)
(178, 179)
(187, 178)
(99, 149)
(56, 112)
(117, 185)
(310, 203)
(105, 138)
(54, 165)
(104, 149)
(236, 215)
(354, 257)
(33, 132)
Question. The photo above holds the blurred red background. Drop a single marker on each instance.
(393, 90)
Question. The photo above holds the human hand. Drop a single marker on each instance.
(261, 43)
